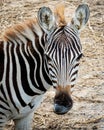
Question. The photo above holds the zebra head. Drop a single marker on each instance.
(63, 51)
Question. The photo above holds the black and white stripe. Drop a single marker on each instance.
(35, 57)
(29, 67)
(24, 74)
(63, 51)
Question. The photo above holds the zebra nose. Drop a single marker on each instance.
(60, 109)
(62, 100)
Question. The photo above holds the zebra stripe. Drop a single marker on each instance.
(24, 74)
(27, 71)
(35, 56)
(63, 49)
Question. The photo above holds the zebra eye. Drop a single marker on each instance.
(79, 57)
(72, 86)
(54, 87)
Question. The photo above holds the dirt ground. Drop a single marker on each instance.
(88, 94)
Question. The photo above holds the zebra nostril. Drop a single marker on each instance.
(70, 104)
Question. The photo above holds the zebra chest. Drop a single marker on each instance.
(18, 106)
(30, 107)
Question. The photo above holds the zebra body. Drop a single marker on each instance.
(35, 56)
(20, 69)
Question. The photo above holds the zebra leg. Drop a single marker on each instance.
(24, 123)
(3, 122)
(2, 126)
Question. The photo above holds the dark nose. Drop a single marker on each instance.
(59, 109)
(62, 106)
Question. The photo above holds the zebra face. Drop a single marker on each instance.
(62, 51)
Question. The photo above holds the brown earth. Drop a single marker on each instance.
(88, 94)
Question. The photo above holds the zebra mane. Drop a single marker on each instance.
(27, 28)
(23, 30)
(59, 13)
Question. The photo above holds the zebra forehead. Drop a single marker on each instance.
(65, 36)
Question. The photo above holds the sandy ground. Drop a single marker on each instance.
(88, 94)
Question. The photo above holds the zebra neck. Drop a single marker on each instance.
(41, 72)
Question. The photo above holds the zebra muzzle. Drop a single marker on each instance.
(62, 102)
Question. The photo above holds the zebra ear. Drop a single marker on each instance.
(46, 19)
(81, 17)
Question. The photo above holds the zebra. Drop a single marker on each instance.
(36, 55)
